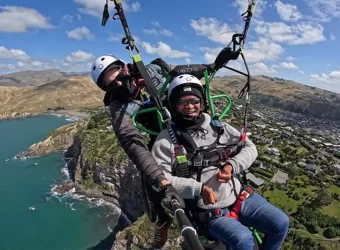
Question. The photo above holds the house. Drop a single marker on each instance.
(273, 151)
(263, 126)
(263, 166)
(337, 168)
(294, 143)
(280, 177)
(312, 168)
(286, 135)
(254, 181)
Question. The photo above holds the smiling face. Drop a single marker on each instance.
(189, 105)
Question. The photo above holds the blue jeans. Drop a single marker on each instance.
(255, 212)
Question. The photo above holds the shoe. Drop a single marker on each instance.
(161, 233)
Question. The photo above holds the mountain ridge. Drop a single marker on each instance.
(74, 91)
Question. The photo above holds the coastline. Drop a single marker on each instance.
(78, 115)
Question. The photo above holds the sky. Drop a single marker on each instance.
(295, 40)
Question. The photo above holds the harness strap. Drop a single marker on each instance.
(234, 210)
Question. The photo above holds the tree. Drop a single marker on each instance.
(91, 124)
(292, 171)
(330, 232)
(323, 197)
(296, 197)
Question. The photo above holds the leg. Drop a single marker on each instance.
(231, 233)
(258, 213)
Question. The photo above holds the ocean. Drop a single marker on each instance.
(31, 215)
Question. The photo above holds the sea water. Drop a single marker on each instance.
(31, 215)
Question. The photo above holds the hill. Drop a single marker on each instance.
(35, 78)
(67, 93)
(73, 90)
(284, 94)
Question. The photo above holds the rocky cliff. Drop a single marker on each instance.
(99, 168)
(59, 140)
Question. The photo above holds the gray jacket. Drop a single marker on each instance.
(189, 188)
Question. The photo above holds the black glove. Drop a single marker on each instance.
(133, 70)
(160, 62)
(224, 57)
(169, 193)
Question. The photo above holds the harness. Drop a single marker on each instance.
(191, 159)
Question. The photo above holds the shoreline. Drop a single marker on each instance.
(67, 113)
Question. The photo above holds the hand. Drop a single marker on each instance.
(161, 63)
(133, 70)
(225, 56)
(225, 174)
(208, 195)
(169, 193)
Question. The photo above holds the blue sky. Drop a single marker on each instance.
(297, 40)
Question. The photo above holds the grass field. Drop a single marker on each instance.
(301, 151)
(280, 198)
(332, 209)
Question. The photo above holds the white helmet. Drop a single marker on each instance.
(183, 84)
(100, 64)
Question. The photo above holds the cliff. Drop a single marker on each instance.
(59, 140)
(99, 168)
(138, 236)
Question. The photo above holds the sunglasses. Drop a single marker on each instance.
(192, 101)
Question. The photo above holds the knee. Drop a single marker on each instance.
(281, 223)
(243, 239)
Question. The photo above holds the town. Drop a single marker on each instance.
(297, 169)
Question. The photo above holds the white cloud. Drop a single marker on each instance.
(69, 18)
(16, 54)
(210, 53)
(155, 24)
(152, 31)
(288, 12)
(262, 50)
(21, 19)
(212, 29)
(134, 7)
(288, 65)
(156, 30)
(290, 58)
(243, 6)
(20, 66)
(261, 69)
(80, 33)
(332, 77)
(115, 38)
(325, 10)
(164, 50)
(166, 32)
(187, 60)
(95, 8)
(79, 56)
(301, 33)
(332, 37)
(328, 81)
(254, 52)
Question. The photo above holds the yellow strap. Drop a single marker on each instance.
(181, 159)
